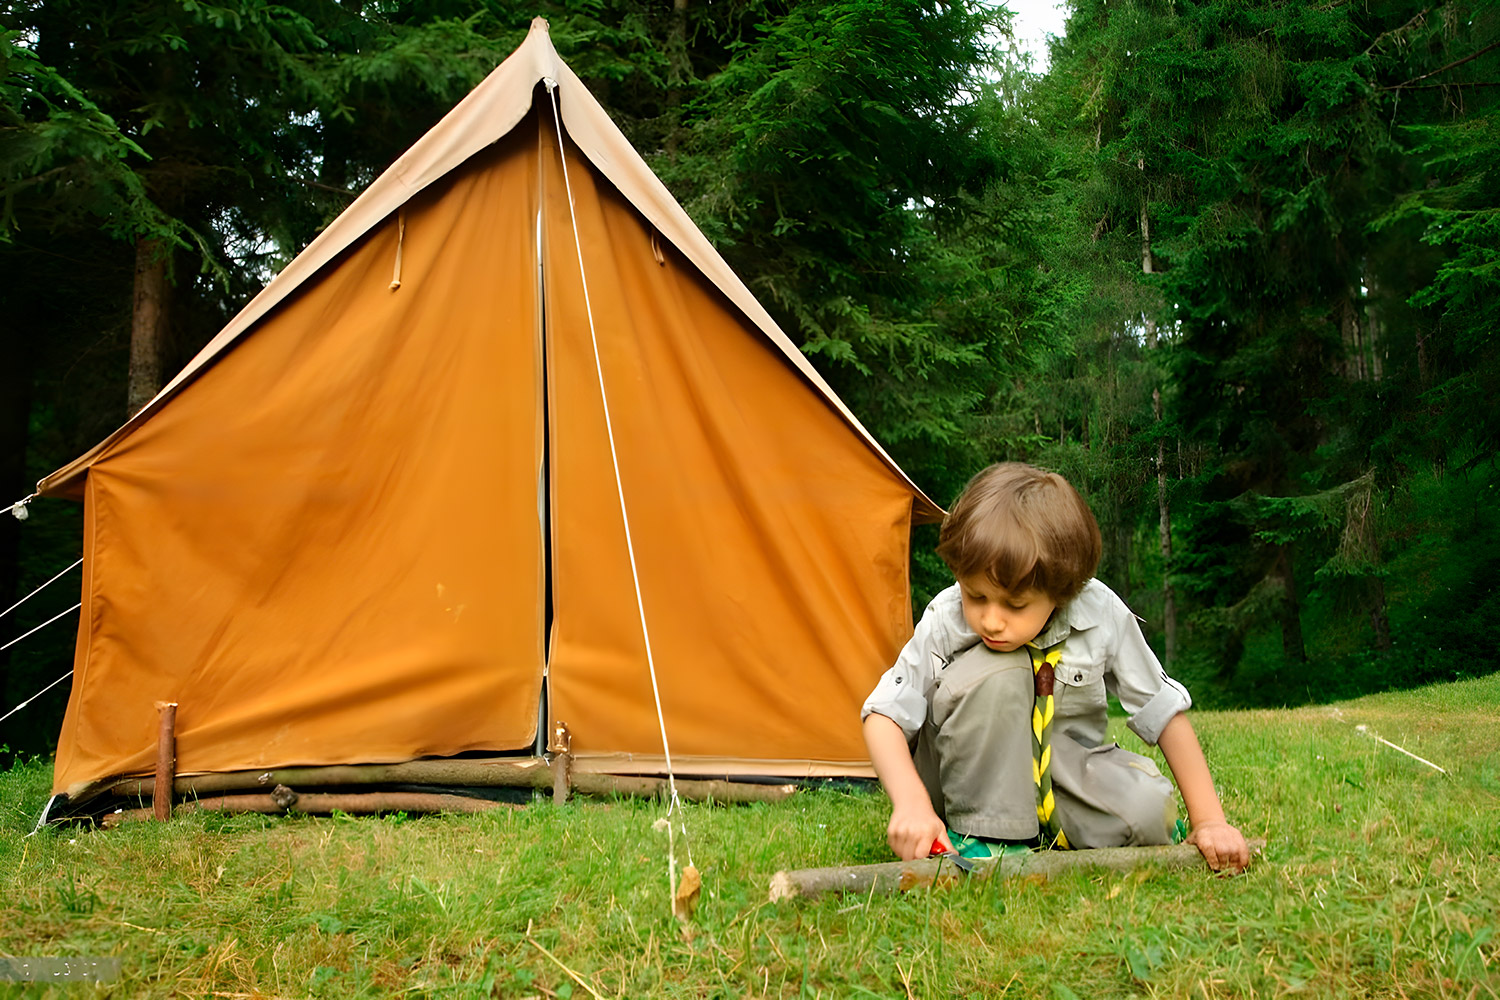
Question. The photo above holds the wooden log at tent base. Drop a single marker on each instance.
(284, 800)
(899, 876)
(523, 772)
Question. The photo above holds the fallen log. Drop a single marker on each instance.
(694, 791)
(283, 800)
(522, 772)
(898, 876)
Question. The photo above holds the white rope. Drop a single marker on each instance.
(34, 697)
(1366, 730)
(674, 804)
(43, 625)
(39, 589)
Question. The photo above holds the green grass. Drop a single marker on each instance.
(1381, 878)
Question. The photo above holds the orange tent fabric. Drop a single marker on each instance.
(334, 538)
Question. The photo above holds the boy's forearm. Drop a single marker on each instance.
(1220, 843)
(892, 759)
(914, 826)
(1179, 744)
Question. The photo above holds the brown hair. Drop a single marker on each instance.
(1023, 527)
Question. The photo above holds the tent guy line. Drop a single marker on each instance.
(674, 804)
(43, 691)
(609, 431)
(40, 589)
(43, 625)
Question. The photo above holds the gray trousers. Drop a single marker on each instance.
(974, 756)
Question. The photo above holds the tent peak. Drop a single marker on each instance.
(539, 23)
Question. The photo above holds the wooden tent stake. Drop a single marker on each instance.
(561, 746)
(166, 760)
(896, 876)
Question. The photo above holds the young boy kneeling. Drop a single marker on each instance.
(992, 722)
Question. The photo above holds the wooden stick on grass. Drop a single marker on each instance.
(896, 876)
(576, 977)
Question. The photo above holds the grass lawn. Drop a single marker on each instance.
(1381, 879)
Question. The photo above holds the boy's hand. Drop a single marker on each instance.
(1221, 845)
(913, 829)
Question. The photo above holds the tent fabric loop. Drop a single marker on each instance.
(400, 242)
(40, 589)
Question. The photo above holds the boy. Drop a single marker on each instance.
(950, 726)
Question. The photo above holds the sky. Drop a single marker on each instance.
(1034, 20)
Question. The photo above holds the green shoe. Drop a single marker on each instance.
(982, 847)
(969, 847)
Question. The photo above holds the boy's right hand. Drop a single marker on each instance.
(913, 829)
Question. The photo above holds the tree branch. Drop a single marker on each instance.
(1444, 69)
(326, 187)
(1395, 31)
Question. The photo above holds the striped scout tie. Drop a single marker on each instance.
(1043, 666)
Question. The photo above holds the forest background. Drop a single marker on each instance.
(1229, 265)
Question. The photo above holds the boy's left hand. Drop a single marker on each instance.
(1221, 845)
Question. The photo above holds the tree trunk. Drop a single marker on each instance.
(1292, 647)
(679, 69)
(1164, 530)
(1163, 508)
(1121, 549)
(147, 324)
(1372, 327)
(1379, 620)
(1349, 332)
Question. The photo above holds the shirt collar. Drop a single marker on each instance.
(1075, 616)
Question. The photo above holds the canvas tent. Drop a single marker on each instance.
(377, 519)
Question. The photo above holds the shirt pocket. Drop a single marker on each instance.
(1079, 692)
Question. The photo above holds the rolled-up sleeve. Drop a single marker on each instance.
(1150, 697)
(903, 691)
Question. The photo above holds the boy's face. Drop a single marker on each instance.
(1004, 621)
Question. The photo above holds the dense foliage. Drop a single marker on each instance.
(1230, 265)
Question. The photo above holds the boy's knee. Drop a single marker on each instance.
(1110, 797)
(982, 683)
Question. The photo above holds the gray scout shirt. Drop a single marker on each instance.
(1106, 654)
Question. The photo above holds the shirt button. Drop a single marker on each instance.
(898, 680)
(1077, 678)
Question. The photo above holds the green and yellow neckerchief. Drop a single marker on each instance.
(1043, 668)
